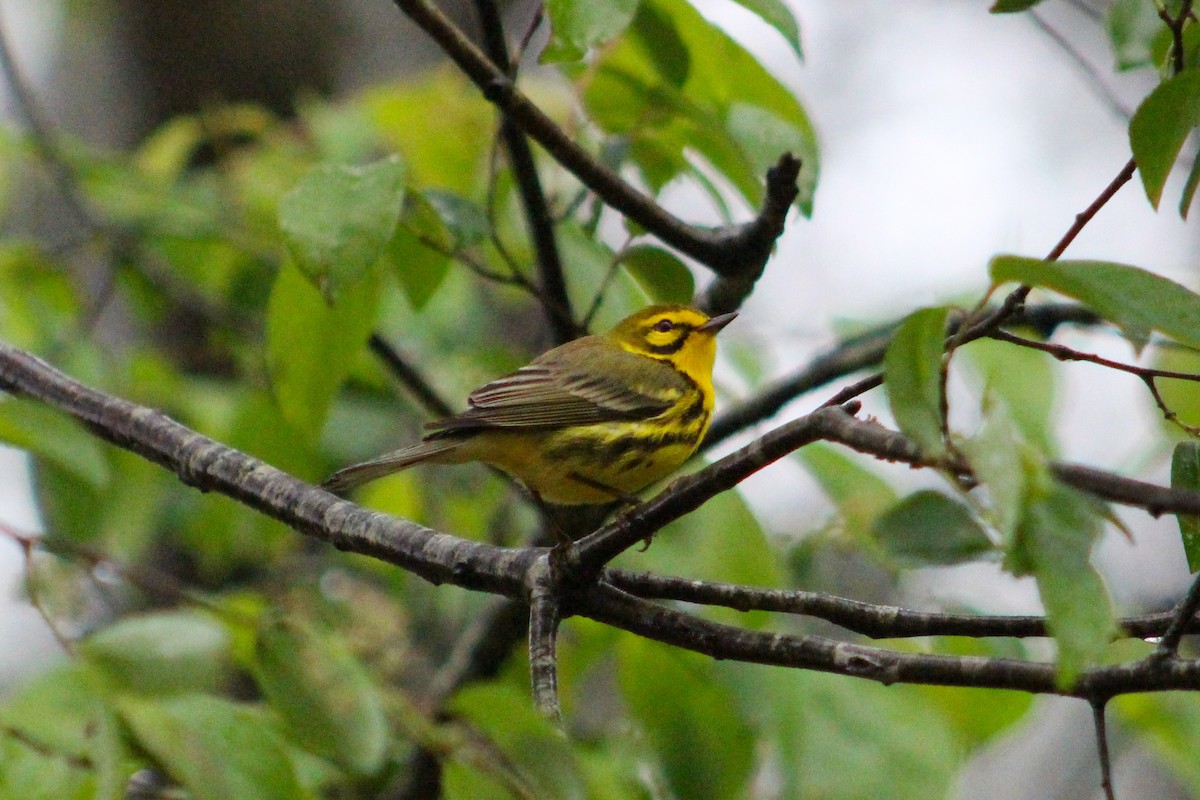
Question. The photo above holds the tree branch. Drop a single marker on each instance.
(439, 557)
(868, 619)
(609, 605)
(544, 618)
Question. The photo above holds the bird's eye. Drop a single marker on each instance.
(664, 326)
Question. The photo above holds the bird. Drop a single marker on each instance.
(590, 422)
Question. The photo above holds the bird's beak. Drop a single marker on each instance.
(716, 323)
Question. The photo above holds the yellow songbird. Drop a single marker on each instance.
(592, 421)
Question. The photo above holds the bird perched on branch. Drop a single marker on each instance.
(590, 422)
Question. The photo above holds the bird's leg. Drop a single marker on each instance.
(550, 518)
(627, 501)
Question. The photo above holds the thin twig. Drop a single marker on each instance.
(1106, 779)
(409, 376)
(1148, 376)
(1183, 614)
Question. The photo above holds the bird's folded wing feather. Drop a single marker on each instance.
(608, 384)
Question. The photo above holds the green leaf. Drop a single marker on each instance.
(703, 745)
(825, 746)
(1168, 724)
(324, 695)
(466, 223)
(1132, 27)
(671, 88)
(1185, 474)
(56, 708)
(912, 368)
(929, 528)
(661, 273)
(1136, 300)
(777, 14)
(536, 752)
(1000, 459)
(49, 434)
(1160, 126)
(1189, 189)
(216, 749)
(310, 344)
(1012, 6)
(578, 25)
(1054, 541)
(161, 653)
(338, 219)
(419, 250)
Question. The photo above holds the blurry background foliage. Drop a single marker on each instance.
(230, 242)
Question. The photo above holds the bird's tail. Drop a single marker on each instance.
(358, 474)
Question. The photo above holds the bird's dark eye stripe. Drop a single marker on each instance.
(670, 347)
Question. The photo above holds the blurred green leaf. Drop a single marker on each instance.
(578, 25)
(1132, 26)
(678, 85)
(422, 115)
(32, 775)
(216, 749)
(57, 708)
(928, 528)
(338, 219)
(1054, 543)
(323, 693)
(1185, 474)
(418, 250)
(310, 344)
(1160, 126)
(532, 748)
(664, 276)
(1135, 299)
(1170, 723)
(1002, 462)
(466, 223)
(977, 717)
(49, 434)
(827, 747)
(1024, 380)
(38, 302)
(167, 652)
(704, 746)
(777, 14)
(912, 369)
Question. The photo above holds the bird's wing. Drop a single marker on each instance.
(586, 381)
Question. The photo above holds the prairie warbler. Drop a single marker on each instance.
(589, 422)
